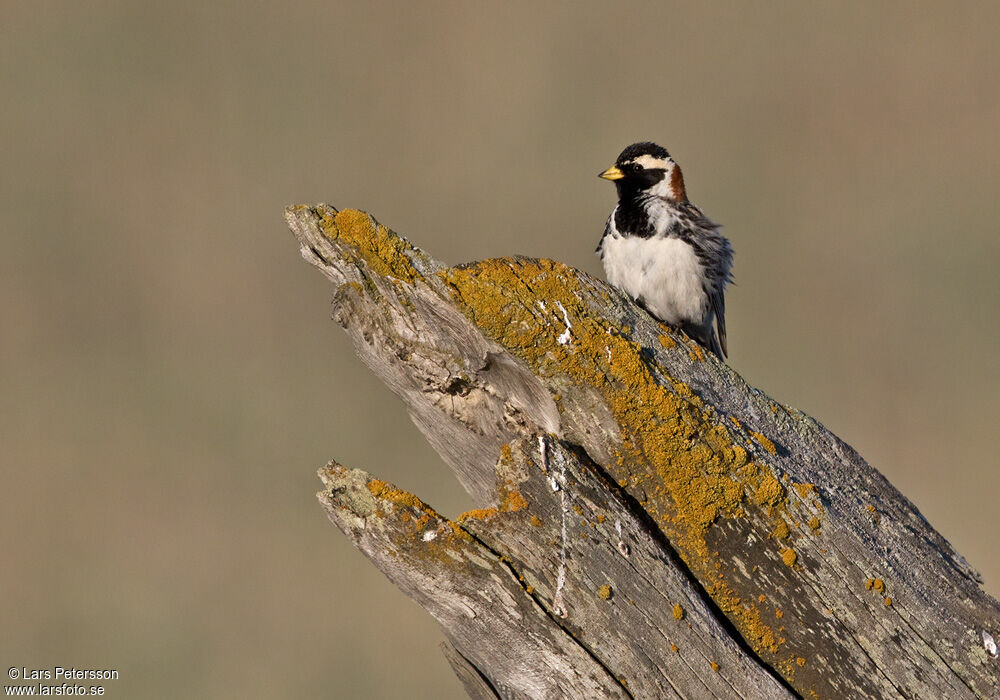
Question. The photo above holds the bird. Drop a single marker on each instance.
(662, 251)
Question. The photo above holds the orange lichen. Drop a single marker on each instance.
(429, 534)
(529, 589)
(678, 611)
(457, 530)
(384, 252)
(536, 521)
(781, 530)
(385, 491)
(805, 490)
(789, 556)
(477, 514)
(779, 614)
(814, 523)
(888, 602)
(764, 442)
(700, 478)
(667, 342)
(770, 491)
(673, 449)
(605, 592)
(513, 500)
(673, 648)
(715, 667)
(747, 617)
(510, 501)
(869, 583)
(800, 661)
(878, 584)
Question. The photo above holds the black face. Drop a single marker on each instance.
(638, 178)
(641, 169)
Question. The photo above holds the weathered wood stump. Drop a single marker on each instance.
(652, 526)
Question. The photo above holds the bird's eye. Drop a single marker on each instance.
(634, 167)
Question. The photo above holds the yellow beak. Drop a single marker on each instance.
(612, 173)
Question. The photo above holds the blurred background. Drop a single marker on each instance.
(169, 378)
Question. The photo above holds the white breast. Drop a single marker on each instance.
(664, 273)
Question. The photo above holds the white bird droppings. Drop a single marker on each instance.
(989, 644)
(566, 336)
(430, 535)
(622, 547)
(558, 605)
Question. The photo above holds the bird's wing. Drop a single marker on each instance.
(717, 256)
(718, 301)
(609, 228)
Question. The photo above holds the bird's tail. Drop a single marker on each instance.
(706, 337)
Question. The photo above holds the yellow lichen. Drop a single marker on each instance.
(510, 501)
(805, 490)
(513, 500)
(800, 661)
(781, 531)
(715, 667)
(878, 584)
(678, 611)
(770, 491)
(747, 617)
(888, 602)
(536, 521)
(673, 648)
(673, 448)
(421, 519)
(764, 442)
(383, 251)
(506, 454)
(477, 514)
(789, 556)
(667, 342)
(605, 592)
(814, 523)
(385, 491)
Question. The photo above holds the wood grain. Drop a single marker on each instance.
(625, 474)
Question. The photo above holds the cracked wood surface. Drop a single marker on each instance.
(624, 472)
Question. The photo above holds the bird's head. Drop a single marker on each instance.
(646, 168)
